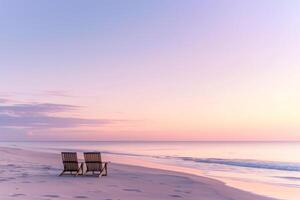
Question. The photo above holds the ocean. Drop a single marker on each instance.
(267, 168)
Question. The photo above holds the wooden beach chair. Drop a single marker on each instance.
(71, 163)
(94, 163)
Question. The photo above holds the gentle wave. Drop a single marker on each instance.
(289, 178)
(258, 164)
(247, 163)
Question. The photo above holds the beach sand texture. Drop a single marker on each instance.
(33, 175)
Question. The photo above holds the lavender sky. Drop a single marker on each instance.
(150, 70)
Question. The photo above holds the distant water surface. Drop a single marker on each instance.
(269, 168)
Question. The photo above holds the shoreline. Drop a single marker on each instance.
(31, 174)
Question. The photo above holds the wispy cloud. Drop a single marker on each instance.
(35, 116)
(58, 93)
(48, 122)
(40, 93)
(3, 100)
(35, 109)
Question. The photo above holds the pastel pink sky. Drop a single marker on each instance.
(150, 70)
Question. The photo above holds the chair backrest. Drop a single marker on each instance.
(70, 161)
(93, 161)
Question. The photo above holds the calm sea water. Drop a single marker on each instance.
(269, 168)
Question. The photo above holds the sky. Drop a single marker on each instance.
(150, 70)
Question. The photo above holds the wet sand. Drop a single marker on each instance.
(33, 175)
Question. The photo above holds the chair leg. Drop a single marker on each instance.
(76, 174)
(105, 169)
(61, 173)
(80, 169)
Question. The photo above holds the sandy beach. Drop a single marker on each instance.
(33, 175)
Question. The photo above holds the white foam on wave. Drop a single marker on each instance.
(248, 163)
